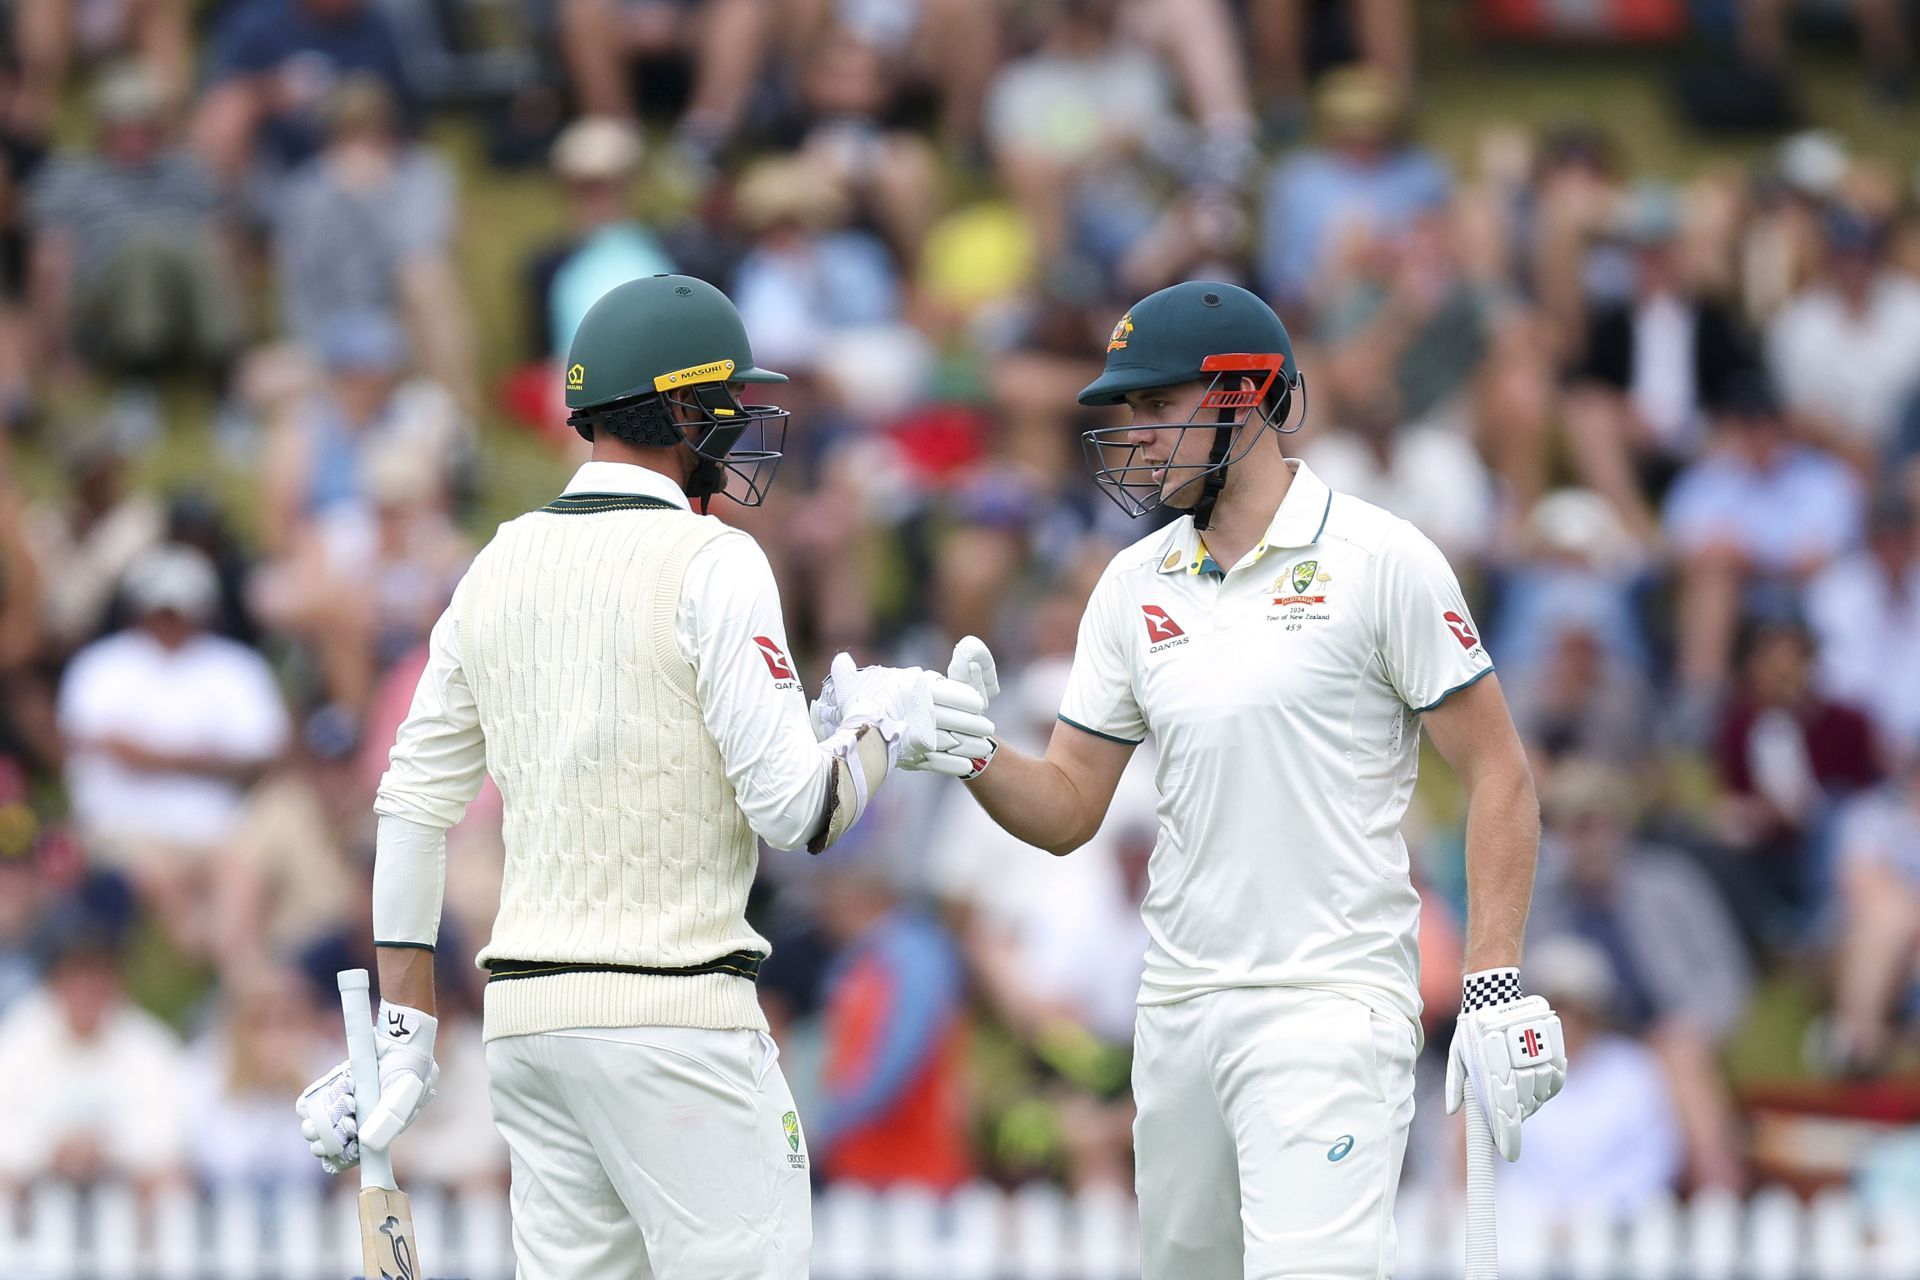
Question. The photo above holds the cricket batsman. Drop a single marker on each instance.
(1284, 645)
(618, 664)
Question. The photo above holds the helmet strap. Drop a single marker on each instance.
(1216, 478)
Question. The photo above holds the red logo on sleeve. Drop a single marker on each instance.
(776, 660)
(1461, 630)
(1160, 627)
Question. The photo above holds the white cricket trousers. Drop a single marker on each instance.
(651, 1153)
(1270, 1126)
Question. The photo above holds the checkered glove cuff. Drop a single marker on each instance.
(1489, 987)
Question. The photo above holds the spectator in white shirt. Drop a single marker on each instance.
(267, 1043)
(1620, 1148)
(95, 1082)
(1877, 978)
(1847, 351)
(1758, 513)
(166, 724)
(1865, 610)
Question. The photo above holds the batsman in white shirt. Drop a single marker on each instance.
(619, 666)
(1284, 645)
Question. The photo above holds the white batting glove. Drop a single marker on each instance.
(965, 743)
(408, 1076)
(1509, 1050)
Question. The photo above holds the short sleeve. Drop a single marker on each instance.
(1427, 641)
(1099, 697)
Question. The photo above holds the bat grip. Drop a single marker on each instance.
(376, 1167)
(1483, 1259)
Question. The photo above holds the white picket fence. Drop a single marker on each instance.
(980, 1233)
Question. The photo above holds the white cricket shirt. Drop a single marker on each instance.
(1282, 697)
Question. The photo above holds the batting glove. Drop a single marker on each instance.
(965, 744)
(915, 711)
(408, 1080)
(1508, 1050)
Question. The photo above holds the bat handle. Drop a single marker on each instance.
(376, 1167)
(1483, 1254)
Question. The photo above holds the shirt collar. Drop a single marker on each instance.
(1301, 519)
(626, 477)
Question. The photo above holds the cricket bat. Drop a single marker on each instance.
(1483, 1254)
(386, 1218)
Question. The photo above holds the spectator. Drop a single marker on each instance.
(319, 444)
(1655, 364)
(893, 1105)
(365, 583)
(367, 226)
(1677, 967)
(606, 245)
(1573, 652)
(1056, 946)
(85, 546)
(1756, 517)
(288, 871)
(1846, 351)
(21, 889)
(274, 63)
(51, 37)
(890, 58)
(1877, 979)
(267, 1041)
(166, 725)
(26, 727)
(1618, 1147)
(1367, 182)
(1865, 610)
(130, 270)
(105, 1078)
(622, 55)
(807, 273)
(1787, 758)
(1062, 123)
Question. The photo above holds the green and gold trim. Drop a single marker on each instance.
(587, 504)
(741, 964)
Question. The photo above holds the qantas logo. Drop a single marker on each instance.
(1160, 627)
(775, 658)
(1462, 630)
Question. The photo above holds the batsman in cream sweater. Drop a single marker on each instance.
(618, 664)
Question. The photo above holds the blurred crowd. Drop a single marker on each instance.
(1666, 428)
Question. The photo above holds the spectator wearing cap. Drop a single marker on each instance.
(274, 63)
(1877, 974)
(367, 225)
(130, 271)
(97, 1080)
(1655, 365)
(1865, 610)
(1750, 522)
(1366, 181)
(1846, 351)
(1789, 759)
(318, 445)
(808, 273)
(166, 724)
(1619, 1148)
(595, 160)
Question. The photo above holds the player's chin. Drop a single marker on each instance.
(1180, 487)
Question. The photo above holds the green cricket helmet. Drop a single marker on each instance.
(1198, 330)
(655, 362)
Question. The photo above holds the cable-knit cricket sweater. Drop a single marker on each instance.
(624, 843)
